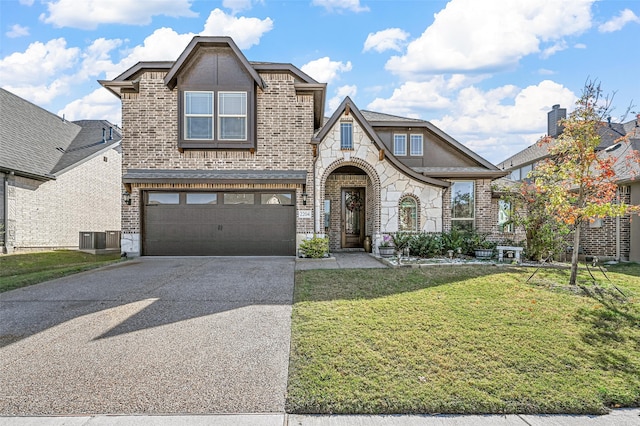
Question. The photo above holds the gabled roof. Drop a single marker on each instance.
(353, 109)
(377, 119)
(38, 144)
(609, 133)
(199, 41)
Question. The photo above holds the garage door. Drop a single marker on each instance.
(219, 224)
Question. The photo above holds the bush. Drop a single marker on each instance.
(426, 245)
(315, 247)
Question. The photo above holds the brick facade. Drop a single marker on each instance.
(150, 125)
(48, 215)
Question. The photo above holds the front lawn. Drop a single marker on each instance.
(19, 270)
(463, 339)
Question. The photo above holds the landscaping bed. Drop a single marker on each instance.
(464, 339)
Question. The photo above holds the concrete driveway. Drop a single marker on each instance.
(151, 335)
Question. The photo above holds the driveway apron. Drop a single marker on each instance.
(151, 335)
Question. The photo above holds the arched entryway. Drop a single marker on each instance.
(350, 206)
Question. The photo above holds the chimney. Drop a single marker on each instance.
(553, 117)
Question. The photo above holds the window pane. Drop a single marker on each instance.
(408, 215)
(346, 136)
(238, 198)
(400, 144)
(199, 128)
(462, 200)
(233, 128)
(525, 171)
(163, 198)
(515, 174)
(233, 103)
(199, 102)
(275, 199)
(202, 198)
(504, 215)
(416, 144)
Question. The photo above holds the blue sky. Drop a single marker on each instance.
(485, 72)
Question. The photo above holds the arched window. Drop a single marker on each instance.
(408, 214)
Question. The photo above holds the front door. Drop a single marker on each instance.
(352, 217)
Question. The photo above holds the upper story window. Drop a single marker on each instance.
(416, 145)
(217, 119)
(463, 205)
(346, 136)
(198, 115)
(232, 116)
(521, 173)
(400, 145)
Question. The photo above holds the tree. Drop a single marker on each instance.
(577, 183)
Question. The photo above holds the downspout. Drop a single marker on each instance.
(618, 248)
(6, 212)
(315, 194)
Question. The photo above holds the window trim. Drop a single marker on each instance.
(185, 115)
(416, 207)
(411, 152)
(343, 146)
(395, 151)
(220, 116)
(216, 144)
(503, 226)
(471, 219)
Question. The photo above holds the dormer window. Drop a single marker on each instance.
(198, 115)
(232, 116)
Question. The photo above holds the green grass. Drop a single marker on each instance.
(20, 270)
(464, 339)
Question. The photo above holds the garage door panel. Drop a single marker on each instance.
(219, 230)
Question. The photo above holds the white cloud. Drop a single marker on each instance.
(324, 70)
(164, 44)
(97, 105)
(341, 93)
(497, 34)
(618, 22)
(246, 32)
(41, 94)
(476, 116)
(579, 46)
(88, 14)
(237, 5)
(553, 49)
(49, 59)
(544, 71)
(340, 5)
(412, 97)
(18, 30)
(389, 39)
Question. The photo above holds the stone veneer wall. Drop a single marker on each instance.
(387, 184)
(51, 214)
(150, 126)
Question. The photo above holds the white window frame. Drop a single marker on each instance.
(343, 145)
(222, 116)
(187, 116)
(411, 140)
(472, 218)
(397, 143)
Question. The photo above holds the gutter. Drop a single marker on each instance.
(618, 248)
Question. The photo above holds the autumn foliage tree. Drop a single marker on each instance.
(577, 182)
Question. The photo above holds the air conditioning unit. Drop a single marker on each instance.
(113, 239)
(93, 240)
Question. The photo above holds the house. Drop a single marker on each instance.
(58, 177)
(612, 237)
(223, 156)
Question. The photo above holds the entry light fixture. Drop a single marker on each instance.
(126, 198)
(304, 198)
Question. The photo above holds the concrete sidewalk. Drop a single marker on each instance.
(623, 417)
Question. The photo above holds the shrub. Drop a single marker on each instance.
(315, 247)
(426, 245)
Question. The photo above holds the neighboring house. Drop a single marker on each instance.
(611, 237)
(58, 177)
(223, 156)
